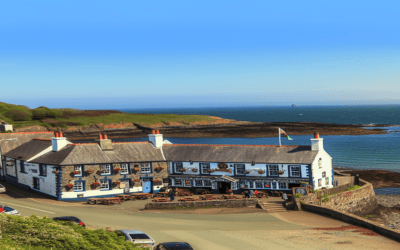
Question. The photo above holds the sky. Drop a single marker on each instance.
(155, 54)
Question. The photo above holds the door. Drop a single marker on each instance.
(224, 187)
(146, 186)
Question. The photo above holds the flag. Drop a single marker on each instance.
(283, 133)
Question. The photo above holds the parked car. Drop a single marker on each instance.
(2, 189)
(173, 246)
(138, 237)
(71, 219)
(8, 210)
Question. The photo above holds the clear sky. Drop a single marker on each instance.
(136, 54)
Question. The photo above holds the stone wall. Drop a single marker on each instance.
(359, 201)
(212, 203)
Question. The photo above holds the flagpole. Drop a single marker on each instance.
(279, 131)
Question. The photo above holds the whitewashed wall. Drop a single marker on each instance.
(325, 166)
(10, 170)
(47, 184)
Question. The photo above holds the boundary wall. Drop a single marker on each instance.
(212, 203)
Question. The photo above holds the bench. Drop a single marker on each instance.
(187, 199)
(94, 201)
(160, 199)
(111, 201)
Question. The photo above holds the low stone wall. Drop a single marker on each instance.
(212, 203)
(359, 201)
(353, 219)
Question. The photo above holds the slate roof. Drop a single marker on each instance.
(240, 153)
(91, 153)
(29, 149)
(17, 139)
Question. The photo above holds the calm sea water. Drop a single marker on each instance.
(380, 152)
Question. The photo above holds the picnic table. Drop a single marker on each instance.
(229, 197)
(202, 191)
(142, 196)
(183, 193)
(160, 199)
(162, 194)
(208, 197)
(125, 197)
(95, 200)
(112, 200)
(187, 199)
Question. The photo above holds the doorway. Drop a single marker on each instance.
(223, 187)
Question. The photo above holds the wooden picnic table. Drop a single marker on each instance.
(125, 197)
(112, 200)
(142, 196)
(201, 191)
(95, 200)
(160, 199)
(208, 197)
(229, 197)
(162, 194)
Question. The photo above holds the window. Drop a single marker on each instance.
(327, 181)
(198, 183)
(127, 182)
(124, 169)
(320, 163)
(178, 182)
(36, 183)
(207, 183)
(319, 182)
(267, 184)
(178, 167)
(204, 168)
(22, 166)
(240, 168)
(78, 168)
(259, 184)
(145, 167)
(324, 174)
(78, 186)
(106, 168)
(282, 185)
(42, 170)
(251, 184)
(294, 171)
(273, 170)
(104, 185)
(187, 183)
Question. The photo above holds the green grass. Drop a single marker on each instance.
(39, 233)
(325, 198)
(352, 188)
(368, 216)
(297, 195)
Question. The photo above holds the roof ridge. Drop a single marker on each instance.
(40, 139)
(229, 145)
(130, 142)
(39, 132)
(79, 144)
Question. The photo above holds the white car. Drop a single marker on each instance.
(8, 210)
(138, 237)
(2, 189)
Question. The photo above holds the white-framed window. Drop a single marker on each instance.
(42, 170)
(124, 168)
(294, 171)
(324, 174)
(78, 168)
(178, 182)
(204, 168)
(207, 183)
(78, 186)
(273, 170)
(178, 167)
(259, 184)
(320, 163)
(145, 167)
(106, 168)
(319, 182)
(198, 183)
(282, 185)
(267, 184)
(240, 168)
(251, 184)
(104, 185)
(234, 185)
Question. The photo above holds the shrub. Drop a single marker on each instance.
(324, 198)
(19, 115)
(297, 195)
(39, 113)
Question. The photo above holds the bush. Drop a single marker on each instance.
(39, 113)
(324, 198)
(19, 115)
(297, 195)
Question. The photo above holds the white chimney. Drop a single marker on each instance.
(317, 143)
(58, 142)
(156, 138)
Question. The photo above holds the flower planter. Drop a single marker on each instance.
(261, 172)
(69, 185)
(211, 170)
(55, 172)
(280, 172)
(136, 169)
(135, 180)
(183, 169)
(76, 172)
(89, 171)
(159, 168)
(195, 170)
(246, 172)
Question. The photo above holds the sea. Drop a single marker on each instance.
(363, 152)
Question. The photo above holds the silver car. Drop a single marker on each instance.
(8, 210)
(138, 237)
(2, 189)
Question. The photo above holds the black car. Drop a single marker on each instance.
(173, 246)
(71, 219)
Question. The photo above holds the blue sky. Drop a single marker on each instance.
(152, 54)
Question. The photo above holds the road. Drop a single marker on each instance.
(257, 230)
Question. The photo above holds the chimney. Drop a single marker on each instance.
(58, 142)
(156, 138)
(317, 143)
(105, 143)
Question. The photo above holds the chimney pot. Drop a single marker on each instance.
(105, 137)
(316, 135)
(157, 131)
(57, 135)
(153, 132)
(61, 134)
(100, 136)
